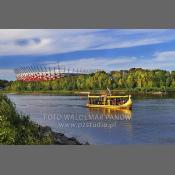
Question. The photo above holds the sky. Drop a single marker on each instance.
(86, 49)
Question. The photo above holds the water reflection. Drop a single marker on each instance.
(116, 120)
(122, 114)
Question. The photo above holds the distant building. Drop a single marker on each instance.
(124, 72)
(38, 73)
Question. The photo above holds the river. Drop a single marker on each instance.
(152, 120)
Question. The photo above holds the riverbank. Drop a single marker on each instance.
(60, 138)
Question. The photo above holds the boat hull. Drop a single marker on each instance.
(127, 105)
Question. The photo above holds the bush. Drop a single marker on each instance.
(18, 129)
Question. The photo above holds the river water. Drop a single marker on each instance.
(152, 120)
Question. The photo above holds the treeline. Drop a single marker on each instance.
(4, 83)
(134, 79)
(18, 129)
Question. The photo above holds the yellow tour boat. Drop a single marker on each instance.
(109, 101)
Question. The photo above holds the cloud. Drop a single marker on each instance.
(159, 60)
(167, 56)
(7, 74)
(107, 64)
(133, 43)
(118, 63)
(52, 41)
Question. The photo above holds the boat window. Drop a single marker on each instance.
(107, 101)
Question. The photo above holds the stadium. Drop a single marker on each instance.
(43, 73)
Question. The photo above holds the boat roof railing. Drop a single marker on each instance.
(108, 96)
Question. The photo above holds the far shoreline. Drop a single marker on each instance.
(85, 93)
